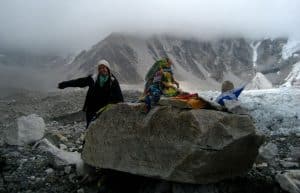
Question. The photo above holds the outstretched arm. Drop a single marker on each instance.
(80, 82)
(238, 91)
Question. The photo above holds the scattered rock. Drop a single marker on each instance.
(288, 164)
(68, 169)
(61, 157)
(49, 171)
(261, 165)
(289, 180)
(282, 139)
(268, 152)
(81, 190)
(32, 177)
(63, 147)
(29, 129)
(295, 153)
(56, 138)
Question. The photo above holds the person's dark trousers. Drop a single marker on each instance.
(148, 103)
(89, 118)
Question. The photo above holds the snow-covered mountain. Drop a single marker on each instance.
(203, 64)
(293, 79)
(259, 82)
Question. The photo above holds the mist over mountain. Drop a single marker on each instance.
(69, 26)
(209, 41)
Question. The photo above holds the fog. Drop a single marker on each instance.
(14, 79)
(71, 25)
(56, 27)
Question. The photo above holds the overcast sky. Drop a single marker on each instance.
(72, 25)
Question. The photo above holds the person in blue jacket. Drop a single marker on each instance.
(229, 92)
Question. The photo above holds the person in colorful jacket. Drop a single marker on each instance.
(161, 75)
(159, 81)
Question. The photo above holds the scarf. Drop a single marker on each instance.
(102, 80)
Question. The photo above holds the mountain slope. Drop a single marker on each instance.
(197, 63)
(293, 79)
(259, 82)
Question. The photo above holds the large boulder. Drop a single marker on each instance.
(185, 145)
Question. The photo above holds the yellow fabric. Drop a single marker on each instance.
(168, 77)
(195, 103)
(105, 108)
(169, 89)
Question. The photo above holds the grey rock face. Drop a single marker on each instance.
(194, 56)
(269, 60)
(193, 146)
(218, 59)
(269, 53)
(115, 50)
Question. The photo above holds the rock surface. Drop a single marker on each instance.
(289, 180)
(61, 157)
(34, 170)
(193, 146)
(28, 130)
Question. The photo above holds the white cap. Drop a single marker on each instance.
(103, 62)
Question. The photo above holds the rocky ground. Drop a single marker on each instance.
(29, 169)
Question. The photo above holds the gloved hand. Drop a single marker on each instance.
(61, 85)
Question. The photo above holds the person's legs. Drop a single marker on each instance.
(148, 103)
(89, 118)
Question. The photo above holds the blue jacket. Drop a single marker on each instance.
(229, 95)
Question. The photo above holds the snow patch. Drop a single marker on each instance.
(274, 111)
(293, 79)
(290, 48)
(254, 57)
(62, 157)
(259, 82)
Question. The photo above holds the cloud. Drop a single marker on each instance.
(72, 25)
